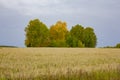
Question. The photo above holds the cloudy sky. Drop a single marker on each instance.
(102, 15)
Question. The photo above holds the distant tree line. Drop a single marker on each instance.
(116, 46)
(38, 35)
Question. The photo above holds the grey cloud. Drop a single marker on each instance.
(51, 7)
(27, 7)
(102, 15)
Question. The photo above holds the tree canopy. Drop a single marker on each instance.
(117, 45)
(58, 31)
(76, 35)
(38, 35)
(58, 34)
(89, 37)
(83, 37)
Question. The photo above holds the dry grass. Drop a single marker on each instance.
(33, 62)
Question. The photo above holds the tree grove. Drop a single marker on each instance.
(38, 35)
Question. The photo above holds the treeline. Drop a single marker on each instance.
(116, 46)
(38, 35)
(6, 46)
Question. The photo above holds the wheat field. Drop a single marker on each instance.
(58, 63)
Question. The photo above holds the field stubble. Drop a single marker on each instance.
(28, 63)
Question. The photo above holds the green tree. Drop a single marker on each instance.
(77, 32)
(69, 40)
(58, 43)
(89, 37)
(37, 34)
(58, 34)
(80, 44)
(76, 36)
(73, 42)
(118, 45)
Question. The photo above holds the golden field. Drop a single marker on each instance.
(26, 63)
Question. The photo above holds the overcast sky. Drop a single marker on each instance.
(102, 15)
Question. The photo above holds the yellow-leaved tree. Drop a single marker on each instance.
(58, 34)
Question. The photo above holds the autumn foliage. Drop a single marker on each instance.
(58, 34)
(38, 35)
(58, 31)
